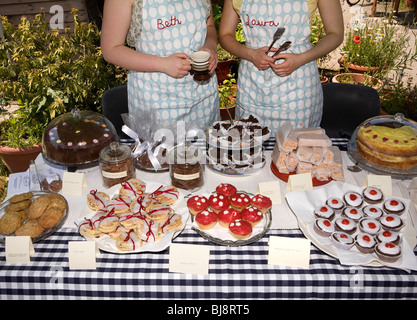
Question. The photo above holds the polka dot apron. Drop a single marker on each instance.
(169, 27)
(297, 97)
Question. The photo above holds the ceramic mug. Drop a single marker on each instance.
(200, 64)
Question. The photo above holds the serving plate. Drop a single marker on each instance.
(107, 244)
(222, 236)
(302, 204)
(285, 176)
(47, 232)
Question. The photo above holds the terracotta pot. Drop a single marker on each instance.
(358, 78)
(223, 71)
(353, 68)
(18, 159)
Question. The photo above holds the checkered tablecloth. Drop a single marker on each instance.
(234, 273)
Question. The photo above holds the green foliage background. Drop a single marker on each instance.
(49, 74)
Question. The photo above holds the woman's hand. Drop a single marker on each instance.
(213, 60)
(260, 59)
(286, 63)
(177, 65)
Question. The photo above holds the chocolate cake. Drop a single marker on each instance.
(77, 137)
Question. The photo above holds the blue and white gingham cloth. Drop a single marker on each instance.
(234, 273)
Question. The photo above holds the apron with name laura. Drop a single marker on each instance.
(168, 27)
(298, 97)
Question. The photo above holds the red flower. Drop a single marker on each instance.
(357, 39)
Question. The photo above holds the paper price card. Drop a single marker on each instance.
(19, 249)
(289, 252)
(82, 255)
(272, 190)
(298, 182)
(73, 183)
(384, 183)
(185, 258)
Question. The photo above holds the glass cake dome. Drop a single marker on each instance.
(396, 121)
(77, 137)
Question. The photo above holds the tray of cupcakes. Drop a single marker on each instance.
(356, 225)
(234, 148)
(133, 216)
(229, 216)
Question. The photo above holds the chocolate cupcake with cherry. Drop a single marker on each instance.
(342, 240)
(352, 213)
(197, 204)
(365, 243)
(323, 227)
(388, 236)
(336, 204)
(388, 252)
(353, 199)
(394, 206)
(240, 229)
(391, 222)
(372, 211)
(325, 212)
(345, 225)
(372, 195)
(369, 225)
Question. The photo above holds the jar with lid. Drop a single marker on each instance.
(116, 164)
(186, 167)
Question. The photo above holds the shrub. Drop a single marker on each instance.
(49, 73)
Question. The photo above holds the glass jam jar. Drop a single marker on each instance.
(186, 167)
(116, 164)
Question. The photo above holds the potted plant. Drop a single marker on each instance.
(20, 141)
(400, 98)
(358, 79)
(376, 46)
(227, 96)
(225, 60)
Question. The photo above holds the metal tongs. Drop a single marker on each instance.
(277, 35)
(283, 47)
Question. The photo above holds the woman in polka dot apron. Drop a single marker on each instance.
(164, 34)
(285, 87)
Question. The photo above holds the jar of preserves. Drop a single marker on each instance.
(186, 167)
(116, 164)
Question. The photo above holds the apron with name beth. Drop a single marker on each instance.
(169, 27)
(298, 97)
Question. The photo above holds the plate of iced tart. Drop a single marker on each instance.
(356, 225)
(230, 217)
(134, 216)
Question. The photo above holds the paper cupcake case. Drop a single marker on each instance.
(303, 203)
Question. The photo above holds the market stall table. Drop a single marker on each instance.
(234, 272)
